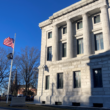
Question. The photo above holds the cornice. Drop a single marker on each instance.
(71, 8)
(45, 23)
(66, 10)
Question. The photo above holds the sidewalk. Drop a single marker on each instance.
(5, 108)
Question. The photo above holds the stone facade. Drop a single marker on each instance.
(87, 95)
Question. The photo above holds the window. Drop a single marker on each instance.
(64, 50)
(97, 73)
(49, 35)
(49, 53)
(99, 42)
(80, 49)
(47, 82)
(75, 104)
(96, 19)
(64, 30)
(60, 80)
(97, 105)
(79, 25)
(43, 102)
(77, 79)
(58, 103)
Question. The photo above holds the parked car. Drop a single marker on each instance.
(32, 98)
(27, 98)
(9, 97)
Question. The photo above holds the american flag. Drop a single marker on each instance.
(9, 42)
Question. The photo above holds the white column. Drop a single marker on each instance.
(69, 39)
(105, 27)
(86, 35)
(55, 43)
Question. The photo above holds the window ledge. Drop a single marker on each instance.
(76, 89)
(63, 35)
(64, 58)
(97, 24)
(77, 35)
(80, 55)
(59, 88)
(62, 40)
(79, 29)
(97, 29)
(49, 38)
(47, 89)
(99, 51)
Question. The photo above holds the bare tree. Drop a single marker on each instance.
(4, 66)
(34, 80)
(27, 60)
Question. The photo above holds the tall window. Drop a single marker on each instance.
(97, 73)
(49, 54)
(96, 19)
(80, 49)
(60, 80)
(64, 30)
(77, 79)
(47, 82)
(99, 42)
(64, 50)
(79, 25)
(49, 35)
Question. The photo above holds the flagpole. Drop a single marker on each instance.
(11, 69)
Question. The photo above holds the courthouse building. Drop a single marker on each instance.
(75, 56)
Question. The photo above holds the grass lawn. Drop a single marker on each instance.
(32, 107)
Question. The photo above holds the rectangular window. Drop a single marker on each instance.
(99, 42)
(97, 73)
(49, 35)
(79, 25)
(96, 19)
(64, 50)
(64, 30)
(58, 103)
(49, 54)
(80, 49)
(97, 105)
(47, 82)
(60, 80)
(77, 79)
(75, 104)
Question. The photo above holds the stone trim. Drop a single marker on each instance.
(80, 59)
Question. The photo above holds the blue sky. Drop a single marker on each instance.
(23, 16)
